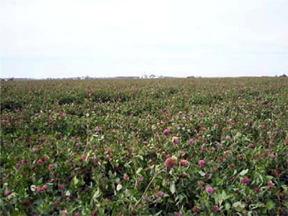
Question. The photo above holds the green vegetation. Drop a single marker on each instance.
(145, 147)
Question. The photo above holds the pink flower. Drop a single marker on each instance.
(50, 166)
(201, 163)
(169, 162)
(245, 181)
(216, 208)
(160, 194)
(77, 144)
(269, 184)
(180, 113)
(165, 132)
(126, 177)
(73, 138)
(141, 179)
(177, 214)
(61, 187)
(183, 162)
(191, 141)
(272, 156)
(17, 166)
(216, 125)
(182, 153)
(257, 190)
(44, 188)
(96, 129)
(64, 212)
(210, 190)
(218, 144)
(76, 214)
(108, 151)
(175, 140)
(24, 161)
(213, 149)
(37, 189)
(39, 161)
(228, 138)
(83, 157)
(7, 193)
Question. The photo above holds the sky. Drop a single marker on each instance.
(107, 38)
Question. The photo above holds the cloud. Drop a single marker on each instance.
(212, 38)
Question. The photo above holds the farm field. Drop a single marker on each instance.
(145, 147)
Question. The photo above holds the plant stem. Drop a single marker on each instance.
(155, 175)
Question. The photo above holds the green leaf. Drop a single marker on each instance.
(139, 170)
(224, 194)
(270, 205)
(238, 134)
(74, 181)
(163, 183)
(285, 188)
(227, 206)
(202, 173)
(141, 157)
(158, 213)
(127, 192)
(239, 206)
(96, 194)
(119, 187)
(255, 206)
(32, 187)
(68, 193)
(172, 188)
(88, 155)
(243, 172)
(218, 181)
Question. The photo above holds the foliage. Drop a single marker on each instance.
(145, 147)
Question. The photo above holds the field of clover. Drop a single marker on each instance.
(145, 147)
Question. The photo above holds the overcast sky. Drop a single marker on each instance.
(104, 38)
